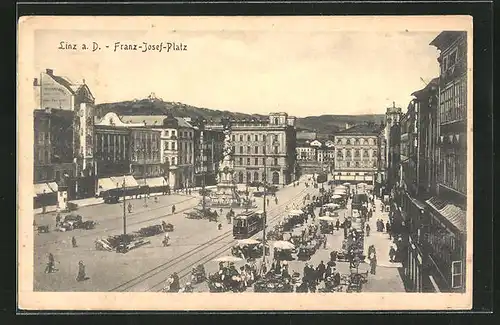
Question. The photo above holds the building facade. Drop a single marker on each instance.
(208, 153)
(74, 104)
(260, 143)
(356, 154)
(447, 209)
(171, 158)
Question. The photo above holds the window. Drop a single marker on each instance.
(249, 149)
(241, 137)
(173, 145)
(248, 161)
(241, 161)
(256, 176)
(241, 149)
(173, 160)
(365, 153)
(263, 137)
(173, 133)
(256, 161)
(356, 174)
(339, 174)
(456, 274)
(348, 153)
(249, 138)
(275, 161)
(233, 137)
(356, 153)
(256, 149)
(356, 141)
(348, 141)
(357, 164)
(276, 149)
(348, 164)
(339, 153)
(263, 161)
(256, 137)
(249, 177)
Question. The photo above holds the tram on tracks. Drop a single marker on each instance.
(247, 224)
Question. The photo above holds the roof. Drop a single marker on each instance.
(74, 88)
(454, 214)
(427, 89)
(445, 38)
(154, 120)
(361, 129)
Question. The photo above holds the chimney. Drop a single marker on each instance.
(50, 72)
(35, 82)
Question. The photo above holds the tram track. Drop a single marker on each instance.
(132, 215)
(167, 266)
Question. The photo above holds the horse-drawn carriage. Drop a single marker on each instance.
(209, 214)
(250, 248)
(273, 284)
(304, 252)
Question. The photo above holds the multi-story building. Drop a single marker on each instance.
(315, 156)
(173, 158)
(392, 118)
(356, 154)
(208, 153)
(446, 226)
(418, 152)
(77, 102)
(258, 143)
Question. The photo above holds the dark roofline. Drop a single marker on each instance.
(427, 88)
(445, 38)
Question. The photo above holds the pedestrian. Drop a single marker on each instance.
(367, 230)
(320, 271)
(73, 242)
(382, 227)
(276, 200)
(267, 201)
(337, 224)
(173, 209)
(156, 199)
(81, 272)
(50, 264)
(324, 241)
(166, 239)
(219, 226)
(373, 263)
(392, 253)
(58, 219)
(130, 208)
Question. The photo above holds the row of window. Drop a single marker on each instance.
(184, 134)
(357, 164)
(42, 137)
(356, 174)
(356, 141)
(42, 157)
(453, 171)
(453, 57)
(453, 103)
(252, 137)
(256, 150)
(357, 153)
(257, 177)
(257, 161)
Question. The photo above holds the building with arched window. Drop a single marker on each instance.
(356, 153)
(274, 138)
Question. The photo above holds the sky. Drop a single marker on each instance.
(302, 72)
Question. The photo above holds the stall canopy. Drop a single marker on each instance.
(106, 184)
(42, 188)
(129, 181)
(152, 182)
(454, 214)
(53, 186)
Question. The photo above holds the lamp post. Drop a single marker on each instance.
(124, 208)
(265, 197)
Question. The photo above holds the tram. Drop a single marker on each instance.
(247, 224)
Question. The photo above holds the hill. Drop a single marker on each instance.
(323, 125)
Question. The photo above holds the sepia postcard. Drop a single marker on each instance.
(245, 163)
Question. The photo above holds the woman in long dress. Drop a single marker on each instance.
(81, 272)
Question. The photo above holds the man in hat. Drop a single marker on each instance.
(81, 272)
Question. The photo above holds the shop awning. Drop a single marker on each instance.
(53, 186)
(42, 188)
(152, 182)
(106, 184)
(129, 181)
(454, 214)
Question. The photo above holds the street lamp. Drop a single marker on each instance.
(275, 142)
